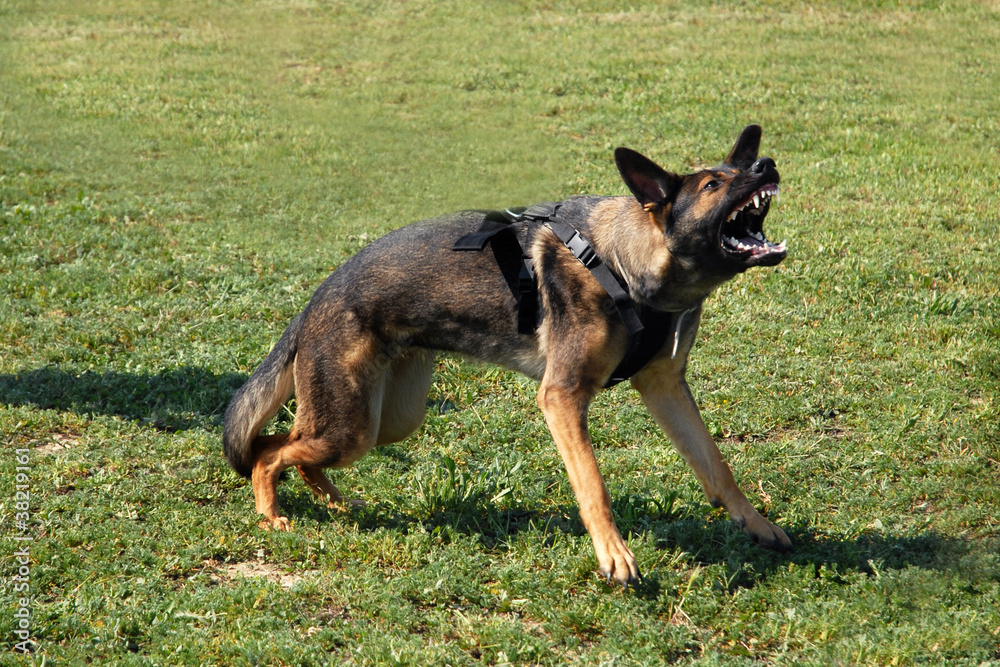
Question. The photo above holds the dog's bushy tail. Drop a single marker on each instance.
(259, 399)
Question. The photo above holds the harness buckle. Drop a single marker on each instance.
(582, 250)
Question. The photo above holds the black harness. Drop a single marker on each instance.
(647, 328)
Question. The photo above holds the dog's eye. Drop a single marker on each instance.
(712, 184)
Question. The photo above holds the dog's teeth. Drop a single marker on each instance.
(756, 201)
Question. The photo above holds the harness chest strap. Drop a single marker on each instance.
(587, 256)
(647, 328)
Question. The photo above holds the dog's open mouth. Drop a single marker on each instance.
(743, 231)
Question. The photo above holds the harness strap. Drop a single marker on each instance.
(494, 222)
(495, 229)
(585, 252)
(647, 328)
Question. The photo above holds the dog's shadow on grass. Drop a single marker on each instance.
(717, 541)
(175, 399)
(705, 536)
(189, 397)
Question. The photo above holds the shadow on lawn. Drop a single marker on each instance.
(716, 541)
(177, 399)
(705, 534)
(189, 397)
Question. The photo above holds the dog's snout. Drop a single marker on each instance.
(762, 165)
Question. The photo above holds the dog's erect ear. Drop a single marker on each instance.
(744, 153)
(650, 184)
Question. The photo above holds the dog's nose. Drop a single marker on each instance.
(761, 165)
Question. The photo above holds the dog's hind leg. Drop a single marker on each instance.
(308, 455)
(321, 485)
(274, 455)
(339, 405)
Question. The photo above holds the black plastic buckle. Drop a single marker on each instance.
(582, 250)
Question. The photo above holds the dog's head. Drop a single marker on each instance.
(713, 219)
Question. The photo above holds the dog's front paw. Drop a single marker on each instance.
(763, 532)
(276, 523)
(617, 562)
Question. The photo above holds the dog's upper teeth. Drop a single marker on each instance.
(756, 201)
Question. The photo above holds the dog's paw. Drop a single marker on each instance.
(618, 563)
(765, 533)
(277, 523)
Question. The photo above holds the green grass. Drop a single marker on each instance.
(175, 181)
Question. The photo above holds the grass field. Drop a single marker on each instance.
(176, 179)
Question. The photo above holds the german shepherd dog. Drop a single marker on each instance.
(359, 358)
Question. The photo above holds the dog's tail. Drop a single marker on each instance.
(259, 399)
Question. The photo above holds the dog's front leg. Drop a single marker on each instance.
(565, 410)
(666, 395)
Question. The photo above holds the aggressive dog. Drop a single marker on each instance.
(578, 295)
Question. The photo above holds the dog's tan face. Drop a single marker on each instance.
(713, 219)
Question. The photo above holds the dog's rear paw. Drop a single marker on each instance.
(345, 504)
(277, 523)
(765, 533)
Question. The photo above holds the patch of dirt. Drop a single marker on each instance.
(56, 443)
(256, 569)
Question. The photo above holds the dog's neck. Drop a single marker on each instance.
(654, 275)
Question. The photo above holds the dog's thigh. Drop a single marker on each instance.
(404, 395)
(339, 387)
